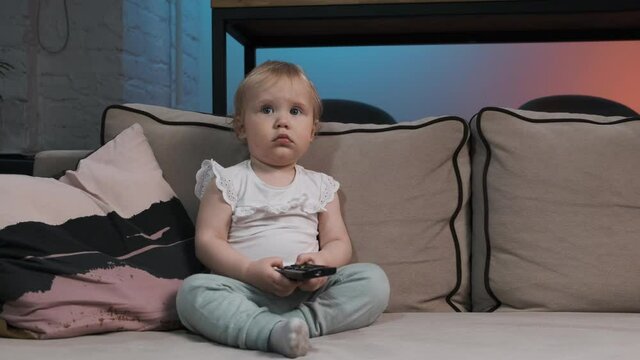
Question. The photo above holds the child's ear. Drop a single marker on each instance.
(314, 129)
(241, 133)
(238, 126)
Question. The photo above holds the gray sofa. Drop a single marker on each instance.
(513, 236)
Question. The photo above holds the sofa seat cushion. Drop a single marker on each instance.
(452, 336)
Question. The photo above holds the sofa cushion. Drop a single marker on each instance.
(104, 248)
(407, 336)
(404, 190)
(556, 203)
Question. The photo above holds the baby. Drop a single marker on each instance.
(267, 212)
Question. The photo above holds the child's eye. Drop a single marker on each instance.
(295, 111)
(266, 110)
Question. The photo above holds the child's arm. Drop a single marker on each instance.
(335, 244)
(213, 250)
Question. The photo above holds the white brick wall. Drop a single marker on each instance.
(118, 51)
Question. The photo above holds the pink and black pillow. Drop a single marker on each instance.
(104, 248)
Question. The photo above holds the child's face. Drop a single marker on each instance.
(277, 121)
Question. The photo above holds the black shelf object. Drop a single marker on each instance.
(437, 22)
(16, 164)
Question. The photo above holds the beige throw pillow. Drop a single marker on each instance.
(404, 193)
(556, 210)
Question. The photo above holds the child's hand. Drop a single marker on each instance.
(314, 283)
(314, 258)
(262, 275)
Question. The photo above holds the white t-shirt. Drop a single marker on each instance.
(267, 220)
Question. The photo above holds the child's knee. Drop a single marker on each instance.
(196, 291)
(189, 287)
(185, 300)
(373, 283)
(381, 289)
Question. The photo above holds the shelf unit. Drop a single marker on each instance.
(302, 23)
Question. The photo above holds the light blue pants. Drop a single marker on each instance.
(233, 313)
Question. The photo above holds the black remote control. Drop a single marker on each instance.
(306, 271)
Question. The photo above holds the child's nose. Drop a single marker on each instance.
(282, 121)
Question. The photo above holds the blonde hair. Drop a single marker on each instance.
(268, 71)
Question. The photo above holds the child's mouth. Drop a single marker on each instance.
(283, 139)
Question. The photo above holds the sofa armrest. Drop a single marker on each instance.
(53, 163)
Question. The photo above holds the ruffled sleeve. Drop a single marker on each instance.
(328, 188)
(210, 170)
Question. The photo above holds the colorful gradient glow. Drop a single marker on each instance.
(412, 82)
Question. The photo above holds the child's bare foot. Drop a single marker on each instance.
(290, 338)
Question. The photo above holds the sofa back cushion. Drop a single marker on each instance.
(404, 190)
(556, 203)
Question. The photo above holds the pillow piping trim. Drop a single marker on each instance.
(396, 127)
(153, 117)
(559, 119)
(485, 192)
(456, 212)
(228, 129)
(454, 160)
(485, 220)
